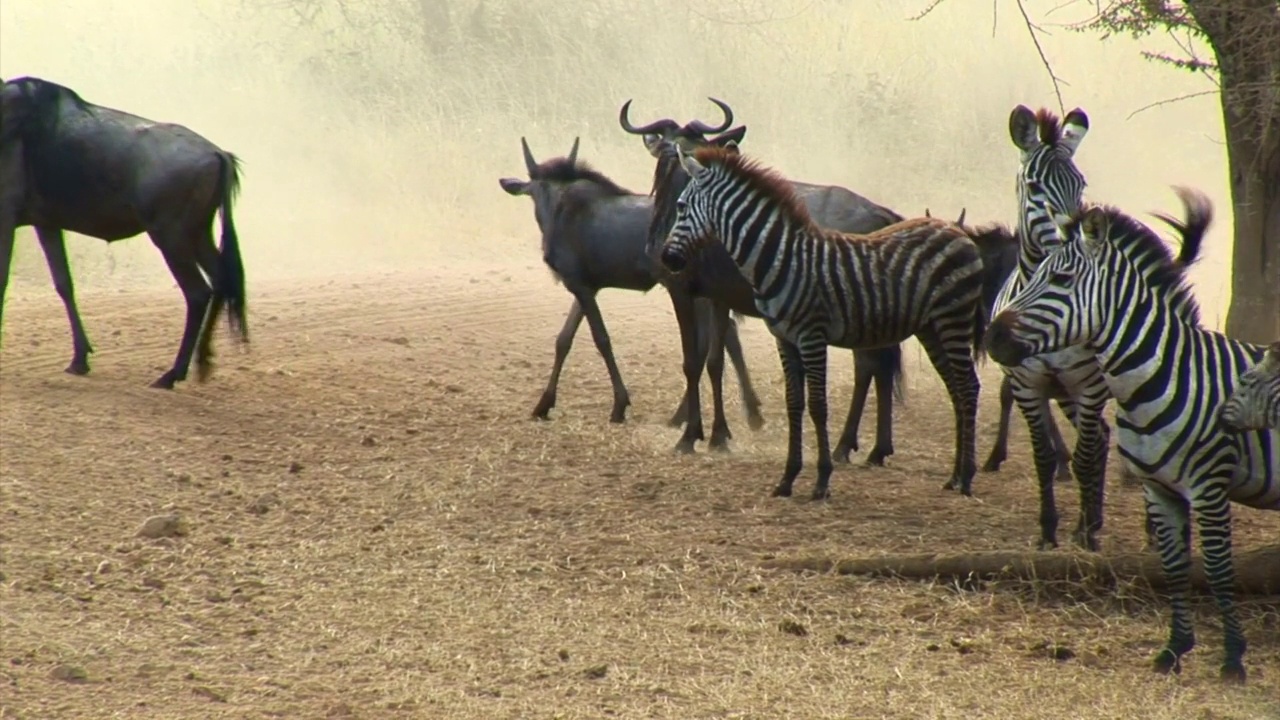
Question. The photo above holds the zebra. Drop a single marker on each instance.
(816, 287)
(1168, 376)
(1255, 404)
(1048, 175)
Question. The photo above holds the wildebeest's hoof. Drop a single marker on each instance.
(755, 420)
(1046, 544)
(1166, 662)
(877, 456)
(781, 491)
(991, 465)
(79, 366)
(719, 443)
(820, 494)
(841, 452)
(165, 381)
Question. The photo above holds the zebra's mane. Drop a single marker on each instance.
(1163, 271)
(560, 170)
(1049, 125)
(763, 180)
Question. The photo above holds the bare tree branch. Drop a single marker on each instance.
(933, 5)
(1031, 30)
(1169, 101)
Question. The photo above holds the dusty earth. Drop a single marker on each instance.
(373, 527)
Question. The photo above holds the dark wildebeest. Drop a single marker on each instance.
(999, 247)
(713, 274)
(67, 164)
(593, 237)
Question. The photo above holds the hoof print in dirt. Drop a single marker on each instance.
(163, 526)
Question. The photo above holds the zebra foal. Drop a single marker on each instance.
(1168, 376)
(816, 287)
(1255, 404)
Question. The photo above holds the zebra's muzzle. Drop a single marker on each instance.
(673, 259)
(1002, 342)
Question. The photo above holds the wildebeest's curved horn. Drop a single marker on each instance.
(573, 152)
(927, 213)
(962, 212)
(664, 125)
(529, 163)
(700, 127)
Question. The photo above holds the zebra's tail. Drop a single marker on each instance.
(980, 318)
(1199, 214)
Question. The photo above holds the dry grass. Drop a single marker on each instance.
(376, 530)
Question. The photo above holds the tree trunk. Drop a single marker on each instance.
(1257, 571)
(1245, 36)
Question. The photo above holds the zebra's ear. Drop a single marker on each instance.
(689, 163)
(1273, 355)
(1074, 127)
(1093, 230)
(1023, 129)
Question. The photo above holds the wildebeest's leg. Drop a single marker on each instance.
(180, 255)
(621, 399)
(55, 255)
(750, 400)
(704, 313)
(888, 378)
(564, 342)
(793, 372)
(1059, 447)
(693, 352)
(1000, 450)
(864, 369)
(6, 256)
(717, 322)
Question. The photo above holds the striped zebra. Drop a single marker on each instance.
(816, 287)
(1255, 404)
(1048, 175)
(1168, 376)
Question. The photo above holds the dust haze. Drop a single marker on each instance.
(373, 134)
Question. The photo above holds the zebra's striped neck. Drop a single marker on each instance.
(752, 228)
(1034, 229)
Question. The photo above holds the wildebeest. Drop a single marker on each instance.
(68, 164)
(593, 237)
(713, 275)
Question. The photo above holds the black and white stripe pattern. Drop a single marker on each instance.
(1255, 403)
(816, 287)
(1048, 177)
(1169, 376)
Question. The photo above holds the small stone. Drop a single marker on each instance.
(263, 503)
(295, 467)
(70, 673)
(162, 526)
(563, 655)
(791, 627)
(595, 672)
(368, 441)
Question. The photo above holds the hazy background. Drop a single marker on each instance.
(373, 133)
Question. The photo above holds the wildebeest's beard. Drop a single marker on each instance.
(669, 181)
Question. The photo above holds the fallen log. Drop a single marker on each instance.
(1257, 570)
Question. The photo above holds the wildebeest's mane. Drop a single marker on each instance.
(669, 180)
(560, 170)
(44, 98)
(1050, 127)
(1163, 271)
(764, 181)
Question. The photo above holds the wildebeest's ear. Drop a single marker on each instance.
(733, 137)
(689, 163)
(1273, 354)
(654, 144)
(1023, 128)
(514, 186)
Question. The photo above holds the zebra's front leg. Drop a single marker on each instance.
(1170, 515)
(1213, 521)
(793, 374)
(814, 354)
(1046, 460)
(1089, 463)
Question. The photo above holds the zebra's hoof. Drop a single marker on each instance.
(1166, 662)
(1232, 673)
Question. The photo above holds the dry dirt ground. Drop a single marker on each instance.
(375, 528)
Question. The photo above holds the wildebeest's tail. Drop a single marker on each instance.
(891, 357)
(228, 276)
(229, 283)
(981, 315)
